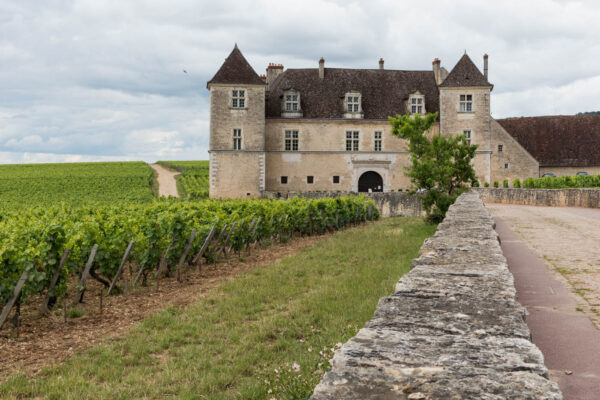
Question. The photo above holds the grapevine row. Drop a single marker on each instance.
(34, 240)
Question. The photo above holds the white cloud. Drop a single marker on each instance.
(92, 78)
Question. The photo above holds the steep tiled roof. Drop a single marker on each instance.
(558, 141)
(465, 73)
(236, 70)
(383, 91)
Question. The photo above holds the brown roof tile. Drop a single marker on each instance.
(558, 141)
(383, 91)
(465, 73)
(236, 70)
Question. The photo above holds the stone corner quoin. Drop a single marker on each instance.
(453, 329)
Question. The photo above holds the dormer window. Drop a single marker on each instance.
(416, 103)
(353, 105)
(290, 105)
(238, 98)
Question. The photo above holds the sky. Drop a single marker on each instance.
(93, 80)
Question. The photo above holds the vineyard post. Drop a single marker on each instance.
(65, 308)
(101, 295)
(123, 261)
(310, 223)
(81, 287)
(162, 264)
(370, 213)
(126, 288)
(11, 302)
(357, 217)
(198, 257)
(253, 236)
(44, 309)
(278, 234)
(218, 240)
(337, 220)
(137, 276)
(227, 239)
(185, 254)
(323, 222)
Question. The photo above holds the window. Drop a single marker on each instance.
(351, 140)
(500, 148)
(466, 103)
(284, 180)
(352, 103)
(291, 102)
(377, 143)
(238, 98)
(506, 166)
(336, 179)
(468, 136)
(237, 139)
(416, 103)
(291, 140)
(310, 179)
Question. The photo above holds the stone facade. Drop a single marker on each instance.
(317, 156)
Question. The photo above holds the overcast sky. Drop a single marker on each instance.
(103, 80)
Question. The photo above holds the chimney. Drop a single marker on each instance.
(273, 71)
(485, 66)
(381, 63)
(436, 71)
(321, 68)
(263, 78)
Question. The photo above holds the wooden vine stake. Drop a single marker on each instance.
(185, 254)
(44, 309)
(198, 256)
(16, 294)
(86, 271)
(123, 261)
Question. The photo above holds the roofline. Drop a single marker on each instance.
(361, 69)
(209, 84)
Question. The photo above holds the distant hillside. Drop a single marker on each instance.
(589, 112)
(26, 185)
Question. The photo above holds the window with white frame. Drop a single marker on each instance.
(238, 98)
(466, 103)
(377, 141)
(351, 140)
(237, 139)
(352, 103)
(291, 140)
(292, 102)
(416, 103)
(468, 135)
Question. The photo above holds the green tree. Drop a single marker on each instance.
(440, 166)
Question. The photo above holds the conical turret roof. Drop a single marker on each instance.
(465, 73)
(236, 70)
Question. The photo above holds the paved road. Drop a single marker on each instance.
(167, 186)
(553, 254)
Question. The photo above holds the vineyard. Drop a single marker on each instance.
(193, 181)
(43, 249)
(27, 185)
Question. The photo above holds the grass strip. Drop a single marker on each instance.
(267, 334)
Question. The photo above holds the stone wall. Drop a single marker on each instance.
(588, 198)
(453, 329)
(389, 204)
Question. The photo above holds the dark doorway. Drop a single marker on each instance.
(370, 180)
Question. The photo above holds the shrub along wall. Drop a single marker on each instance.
(588, 198)
(452, 330)
(389, 204)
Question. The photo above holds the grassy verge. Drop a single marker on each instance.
(266, 334)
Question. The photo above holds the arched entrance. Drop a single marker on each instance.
(370, 180)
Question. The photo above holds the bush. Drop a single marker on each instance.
(495, 184)
(486, 184)
(517, 183)
(505, 184)
(476, 184)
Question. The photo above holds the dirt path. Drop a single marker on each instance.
(568, 240)
(167, 186)
(47, 340)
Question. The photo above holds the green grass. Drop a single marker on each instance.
(27, 185)
(193, 181)
(230, 344)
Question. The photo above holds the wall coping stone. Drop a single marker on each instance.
(453, 329)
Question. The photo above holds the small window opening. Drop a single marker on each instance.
(500, 148)
(336, 179)
(284, 180)
(310, 179)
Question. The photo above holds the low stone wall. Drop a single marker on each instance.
(452, 330)
(589, 198)
(389, 204)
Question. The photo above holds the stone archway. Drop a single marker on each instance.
(370, 180)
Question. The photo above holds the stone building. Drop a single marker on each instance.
(327, 129)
